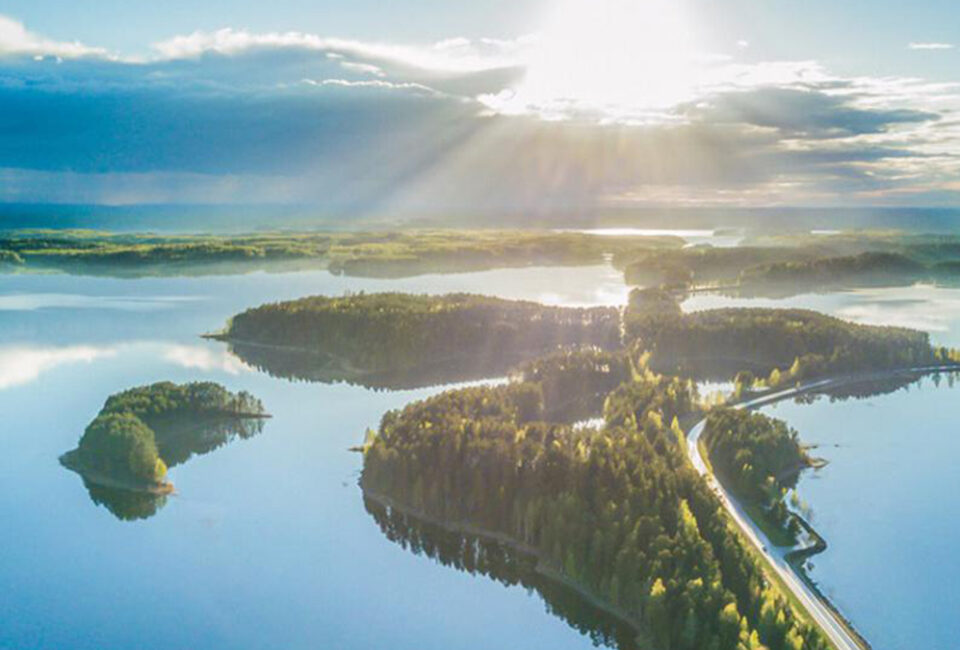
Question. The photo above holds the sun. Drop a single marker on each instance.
(612, 55)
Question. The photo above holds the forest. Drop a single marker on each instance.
(779, 345)
(141, 432)
(371, 333)
(617, 510)
(757, 457)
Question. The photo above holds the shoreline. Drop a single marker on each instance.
(543, 567)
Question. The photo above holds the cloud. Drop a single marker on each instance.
(930, 46)
(371, 128)
(801, 112)
(15, 39)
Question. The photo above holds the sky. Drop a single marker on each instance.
(489, 106)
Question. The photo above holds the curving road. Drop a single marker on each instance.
(838, 633)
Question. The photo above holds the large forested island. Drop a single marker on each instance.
(363, 336)
(141, 432)
(616, 511)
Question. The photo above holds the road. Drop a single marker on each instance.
(820, 611)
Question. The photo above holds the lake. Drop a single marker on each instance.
(268, 542)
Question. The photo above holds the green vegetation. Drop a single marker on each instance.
(758, 457)
(619, 511)
(862, 269)
(370, 333)
(575, 382)
(120, 445)
(785, 345)
(140, 432)
(790, 264)
(372, 254)
(446, 251)
(704, 265)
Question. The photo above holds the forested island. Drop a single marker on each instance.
(780, 346)
(617, 512)
(402, 339)
(124, 453)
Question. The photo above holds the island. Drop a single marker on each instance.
(403, 340)
(124, 453)
(587, 461)
(614, 511)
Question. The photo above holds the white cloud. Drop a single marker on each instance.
(930, 46)
(451, 55)
(17, 40)
(22, 365)
(372, 83)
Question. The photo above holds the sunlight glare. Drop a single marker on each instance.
(612, 55)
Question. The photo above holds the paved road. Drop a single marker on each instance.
(838, 633)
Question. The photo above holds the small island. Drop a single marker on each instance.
(140, 432)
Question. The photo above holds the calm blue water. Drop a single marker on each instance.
(267, 543)
(887, 506)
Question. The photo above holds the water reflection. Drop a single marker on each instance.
(878, 386)
(509, 567)
(24, 364)
(125, 505)
(303, 365)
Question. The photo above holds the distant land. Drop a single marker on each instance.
(247, 218)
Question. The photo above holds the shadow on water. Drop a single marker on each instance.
(302, 365)
(505, 565)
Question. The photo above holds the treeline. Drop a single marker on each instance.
(863, 268)
(789, 344)
(165, 398)
(704, 265)
(618, 511)
(140, 432)
(371, 254)
(393, 331)
(784, 265)
(447, 251)
(758, 457)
